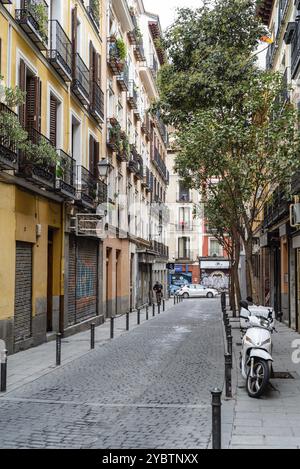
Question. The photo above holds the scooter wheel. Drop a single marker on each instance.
(256, 386)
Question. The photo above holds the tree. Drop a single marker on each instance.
(236, 134)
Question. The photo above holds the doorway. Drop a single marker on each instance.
(50, 282)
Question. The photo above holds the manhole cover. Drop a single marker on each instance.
(282, 375)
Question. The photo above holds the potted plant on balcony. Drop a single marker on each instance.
(10, 128)
(115, 135)
(42, 154)
(122, 53)
(39, 13)
(124, 147)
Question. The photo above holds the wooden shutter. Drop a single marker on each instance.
(92, 73)
(98, 69)
(53, 121)
(74, 39)
(92, 155)
(96, 157)
(22, 85)
(33, 103)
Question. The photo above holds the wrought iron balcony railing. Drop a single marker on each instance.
(146, 126)
(66, 175)
(114, 58)
(86, 188)
(295, 49)
(276, 208)
(139, 51)
(40, 169)
(8, 148)
(97, 102)
(60, 52)
(184, 197)
(123, 78)
(184, 226)
(33, 19)
(153, 65)
(102, 192)
(81, 80)
(161, 249)
(94, 13)
(160, 166)
(132, 95)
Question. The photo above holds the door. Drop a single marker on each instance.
(50, 282)
(23, 292)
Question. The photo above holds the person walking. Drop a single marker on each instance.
(158, 288)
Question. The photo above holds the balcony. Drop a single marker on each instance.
(184, 198)
(65, 183)
(33, 19)
(184, 226)
(113, 57)
(97, 102)
(132, 96)
(81, 81)
(8, 149)
(146, 126)
(94, 13)
(162, 128)
(6, 2)
(270, 55)
(123, 78)
(135, 34)
(39, 169)
(139, 51)
(160, 166)
(133, 163)
(86, 188)
(113, 134)
(123, 150)
(60, 52)
(153, 65)
(102, 192)
(161, 249)
(184, 255)
(276, 209)
(147, 179)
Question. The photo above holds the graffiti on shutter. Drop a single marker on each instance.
(23, 293)
(86, 279)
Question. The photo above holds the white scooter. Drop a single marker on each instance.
(256, 355)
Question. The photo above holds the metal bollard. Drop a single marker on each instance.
(153, 310)
(112, 323)
(58, 349)
(3, 378)
(158, 308)
(229, 341)
(93, 327)
(228, 366)
(229, 331)
(223, 301)
(216, 418)
(147, 313)
(138, 317)
(174, 299)
(164, 305)
(127, 321)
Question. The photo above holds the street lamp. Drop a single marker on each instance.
(104, 167)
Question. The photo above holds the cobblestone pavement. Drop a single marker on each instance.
(149, 388)
(273, 421)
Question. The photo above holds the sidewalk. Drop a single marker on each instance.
(27, 366)
(273, 421)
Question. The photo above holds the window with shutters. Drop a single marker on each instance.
(30, 111)
(93, 156)
(53, 120)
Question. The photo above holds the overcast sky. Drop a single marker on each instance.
(166, 9)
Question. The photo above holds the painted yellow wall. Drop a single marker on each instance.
(7, 250)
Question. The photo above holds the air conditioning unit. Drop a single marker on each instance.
(295, 215)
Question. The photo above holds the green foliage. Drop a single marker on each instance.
(12, 131)
(42, 153)
(40, 14)
(121, 47)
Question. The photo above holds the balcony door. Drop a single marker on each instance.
(184, 248)
(30, 111)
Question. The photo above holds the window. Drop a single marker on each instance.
(184, 192)
(215, 249)
(93, 156)
(184, 217)
(30, 111)
(183, 248)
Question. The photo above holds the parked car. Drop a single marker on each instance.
(197, 291)
(173, 289)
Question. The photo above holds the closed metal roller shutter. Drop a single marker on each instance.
(82, 280)
(86, 276)
(23, 292)
(72, 282)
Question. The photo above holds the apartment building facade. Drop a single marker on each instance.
(76, 222)
(185, 232)
(277, 248)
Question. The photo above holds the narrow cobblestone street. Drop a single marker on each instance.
(149, 388)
